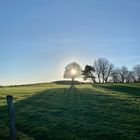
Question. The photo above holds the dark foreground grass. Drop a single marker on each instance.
(87, 112)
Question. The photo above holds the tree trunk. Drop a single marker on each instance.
(99, 78)
(103, 78)
(72, 82)
(92, 77)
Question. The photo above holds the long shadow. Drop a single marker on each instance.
(64, 114)
(121, 88)
(32, 109)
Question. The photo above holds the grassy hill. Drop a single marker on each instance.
(87, 112)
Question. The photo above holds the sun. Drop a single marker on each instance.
(73, 72)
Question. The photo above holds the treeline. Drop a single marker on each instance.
(102, 71)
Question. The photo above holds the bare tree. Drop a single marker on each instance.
(103, 69)
(115, 75)
(98, 69)
(130, 77)
(123, 73)
(108, 71)
(88, 72)
(136, 70)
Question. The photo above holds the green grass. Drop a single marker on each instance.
(87, 112)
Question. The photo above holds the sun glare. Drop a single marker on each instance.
(73, 72)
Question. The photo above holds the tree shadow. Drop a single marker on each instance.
(72, 87)
(64, 114)
(48, 105)
(121, 88)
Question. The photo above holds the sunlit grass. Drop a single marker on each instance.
(22, 92)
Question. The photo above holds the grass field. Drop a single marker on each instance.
(87, 112)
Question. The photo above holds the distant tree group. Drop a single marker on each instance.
(102, 71)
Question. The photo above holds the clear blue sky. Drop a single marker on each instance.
(39, 37)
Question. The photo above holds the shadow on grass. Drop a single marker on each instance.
(121, 88)
(64, 114)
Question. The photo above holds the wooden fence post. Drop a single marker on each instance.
(12, 118)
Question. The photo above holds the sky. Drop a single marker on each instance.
(38, 38)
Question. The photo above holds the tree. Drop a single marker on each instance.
(108, 71)
(115, 75)
(103, 69)
(136, 70)
(130, 77)
(98, 70)
(88, 72)
(72, 71)
(123, 73)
